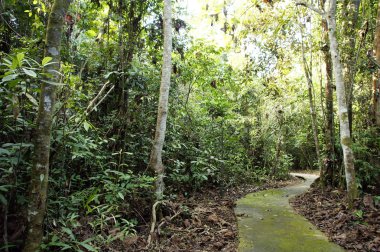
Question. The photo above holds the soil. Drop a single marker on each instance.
(355, 230)
(202, 222)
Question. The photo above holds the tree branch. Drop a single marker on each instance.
(373, 60)
(311, 7)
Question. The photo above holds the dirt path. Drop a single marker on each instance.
(267, 223)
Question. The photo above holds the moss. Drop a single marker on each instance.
(269, 224)
(344, 116)
(346, 141)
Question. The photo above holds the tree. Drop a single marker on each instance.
(345, 134)
(309, 78)
(327, 172)
(376, 74)
(155, 161)
(40, 170)
(350, 13)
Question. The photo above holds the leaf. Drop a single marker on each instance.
(3, 200)
(46, 60)
(42, 176)
(88, 247)
(120, 195)
(107, 75)
(4, 152)
(86, 125)
(69, 232)
(31, 99)
(10, 77)
(91, 33)
(53, 83)
(20, 57)
(30, 72)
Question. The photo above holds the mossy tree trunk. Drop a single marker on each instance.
(327, 172)
(345, 136)
(40, 170)
(155, 162)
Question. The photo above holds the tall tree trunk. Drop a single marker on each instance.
(156, 155)
(350, 20)
(327, 173)
(376, 74)
(40, 170)
(345, 137)
(309, 78)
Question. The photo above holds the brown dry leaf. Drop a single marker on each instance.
(114, 231)
(130, 240)
(186, 223)
(368, 201)
(213, 218)
(228, 234)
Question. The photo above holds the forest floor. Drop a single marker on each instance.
(202, 222)
(205, 221)
(354, 230)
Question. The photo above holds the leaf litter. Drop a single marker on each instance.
(354, 230)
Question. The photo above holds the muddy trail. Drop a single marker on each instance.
(267, 222)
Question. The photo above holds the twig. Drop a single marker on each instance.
(373, 60)
(171, 218)
(90, 105)
(311, 7)
(109, 91)
(154, 220)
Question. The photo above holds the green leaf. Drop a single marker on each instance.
(46, 60)
(20, 57)
(3, 200)
(42, 176)
(88, 247)
(120, 195)
(91, 33)
(30, 72)
(53, 83)
(31, 99)
(10, 77)
(4, 152)
(86, 125)
(69, 232)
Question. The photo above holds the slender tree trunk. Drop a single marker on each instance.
(376, 74)
(345, 137)
(277, 164)
(40, 170)
(309, 78)
(156, 155)
(327, 173)
(350, 13)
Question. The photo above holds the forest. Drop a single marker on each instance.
(135, 125)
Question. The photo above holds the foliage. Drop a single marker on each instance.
(239, 110)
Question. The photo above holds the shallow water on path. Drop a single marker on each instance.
(267, 223)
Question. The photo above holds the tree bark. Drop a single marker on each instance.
(40, 170)
(345, 137)
(156, 154)
(309, 78)
(376, 74)
(350, 13)
(327, 172)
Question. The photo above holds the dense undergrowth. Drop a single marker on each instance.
(228, 125)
